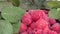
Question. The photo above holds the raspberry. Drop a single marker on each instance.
(39, 31)
(26, 19)
(53, 32)
(46, 31)
(44, 16)
(23, 27)
(59, 33)
(29, 30)
(24, 32)
(36, 14)
(56, 27)
(52, 20)
(33, 25)
(41, 23)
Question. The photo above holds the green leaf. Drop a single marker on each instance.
(58, 10)
(53, 13)
(53, 4)
(15, 2)
(5, 27)
(16, 27)
(12, 14)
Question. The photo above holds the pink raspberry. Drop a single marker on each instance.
(24, 32)
(52, 20)
(46, 31)
(39, 31)
(36, 14)
(23, 27)
(44, 16)
(26, 19)
(33, 25)
(53, 32)
(29, 30)
(56, 27)
(41, 23)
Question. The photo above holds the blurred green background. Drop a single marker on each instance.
(30, 4)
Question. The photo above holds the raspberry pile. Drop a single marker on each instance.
(38, 22)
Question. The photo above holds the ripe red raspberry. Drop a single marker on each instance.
(26, 19)
(29, 30)
(39, 31)
(52, 21)
(36, 14)
(41, 23)
(44, 16)
(59, 33)
(46, 31)
(24, 32)
(33, 25)
(56, 27)
(53, 32)
(23, 27)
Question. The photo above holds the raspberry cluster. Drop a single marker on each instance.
(38, 22)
